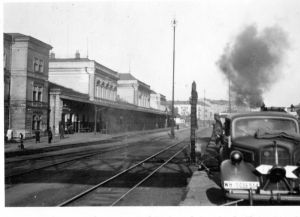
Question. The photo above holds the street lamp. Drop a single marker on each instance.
(174, 22)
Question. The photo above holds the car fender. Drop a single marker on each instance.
(237, 172)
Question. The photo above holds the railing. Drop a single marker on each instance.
(37, 104)
(126, 104)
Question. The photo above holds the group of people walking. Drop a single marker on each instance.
(37, 138)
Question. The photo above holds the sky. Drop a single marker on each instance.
(137, 37)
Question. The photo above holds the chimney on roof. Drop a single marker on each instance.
(52, 55)
(77, 55)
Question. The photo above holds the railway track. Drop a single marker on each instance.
(49, 155)
(233, 203)
(104, 195)
(59, 159)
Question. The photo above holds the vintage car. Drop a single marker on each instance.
(260, 157)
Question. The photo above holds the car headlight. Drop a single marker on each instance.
(266, 153)
(277, 173)
(236, 157)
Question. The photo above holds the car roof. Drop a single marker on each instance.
(263, 113)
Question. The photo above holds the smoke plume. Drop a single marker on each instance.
(252, 63)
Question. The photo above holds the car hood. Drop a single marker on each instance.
(259, 143)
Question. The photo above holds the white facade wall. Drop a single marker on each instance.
(126, 92)
(184, 109)
(74, 75)
(154, 101)
(85, 77)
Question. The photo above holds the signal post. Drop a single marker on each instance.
(194, 125)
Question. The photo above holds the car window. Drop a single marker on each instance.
(248, 127)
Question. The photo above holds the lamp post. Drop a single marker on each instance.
(174, 22)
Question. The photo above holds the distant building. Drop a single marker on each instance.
(132, 90)
(157, 101)
(26, 83)
(206, 109)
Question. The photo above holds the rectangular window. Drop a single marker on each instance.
(34, 96)
(41, 66)
(36, 65)
(39, 96)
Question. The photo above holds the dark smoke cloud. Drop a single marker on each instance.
(252, 63)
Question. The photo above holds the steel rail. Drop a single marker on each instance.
(148, 176)
(115, 176)
(233, 202)
(119, 146)
(51, 165)
(67, 161)
(44, 157)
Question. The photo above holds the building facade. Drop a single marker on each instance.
(7, 73)
(206, 109)
(84, 76)
(133, 91)
(158, 101)
(83, 98)
(28, 84)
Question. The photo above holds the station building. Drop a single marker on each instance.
(133, 91)
(25, 84)
(77, 94)
(86, 96)
(158, 101)
(7, 39)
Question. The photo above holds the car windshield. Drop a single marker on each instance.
(248, 127)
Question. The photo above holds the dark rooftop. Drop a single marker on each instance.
(67, 91)
(127, 76)
(22, 36)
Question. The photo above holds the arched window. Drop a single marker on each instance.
(98, 89)
(36, 122)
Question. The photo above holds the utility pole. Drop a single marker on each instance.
(174, 22)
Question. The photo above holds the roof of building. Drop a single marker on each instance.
(69, 59)
(7, 37)
(184, 102)
(82, 60)
(70, 94)
(128, 76)
(19, 36)
(67, 91)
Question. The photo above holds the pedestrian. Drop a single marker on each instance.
(37, 136)
(61, 131)
(217, 133)
(49, 136)
(9, 135)
(21, 141)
